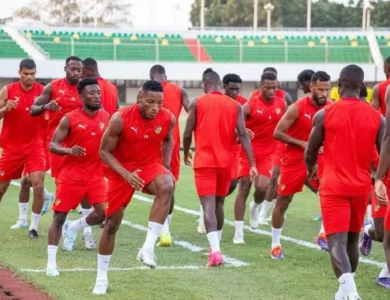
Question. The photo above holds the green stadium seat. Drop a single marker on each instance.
(8, 47)
(384, 45)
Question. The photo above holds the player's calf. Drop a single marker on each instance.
(37, 179)
(239, 209)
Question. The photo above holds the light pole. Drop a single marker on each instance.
(308, 20)
(366, 20)
(201, 15)
(269, 8)
(255, 18)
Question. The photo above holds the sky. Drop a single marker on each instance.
(146, 14)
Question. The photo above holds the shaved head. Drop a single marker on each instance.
(211, 81)
(351, 79)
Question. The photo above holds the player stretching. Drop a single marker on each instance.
(294, 130)
(346, 180)
(77, 139)
(21, 142)
(214, 118)
(262, 114)
(146, 129)
(174, 99)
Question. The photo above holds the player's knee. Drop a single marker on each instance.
(37, 185)
(111, 227)
(166, 187)
(59, 220)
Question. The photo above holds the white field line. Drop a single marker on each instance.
(142, 268)
(193, 248)
(262, 232)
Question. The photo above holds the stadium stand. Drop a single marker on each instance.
(384, 45)
(8, 47)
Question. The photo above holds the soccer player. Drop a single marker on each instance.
(145, 129)
(109, 92)
(379, 90)
(20, 140)
(346, 179)
(262, 114)
(304, 79)
(77, 139)
(214, 118)
(294, 130)
(279, 92)
(175, 99)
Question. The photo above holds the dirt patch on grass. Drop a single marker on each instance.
(14, 288)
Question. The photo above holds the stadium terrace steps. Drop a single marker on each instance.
(9, 48)
(198, 51)
(384, 45)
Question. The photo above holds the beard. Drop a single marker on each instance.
(93, 107)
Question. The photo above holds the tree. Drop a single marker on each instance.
(69, 11)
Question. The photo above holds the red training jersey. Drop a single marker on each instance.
(301, 129)
(141, 140)
(109, 96)
(21, 132)
(85, 131)
(172, 100)
(382, 94)
(240, 99)
(351, 127)
(68, 100)
(263, 117)
(215, 131)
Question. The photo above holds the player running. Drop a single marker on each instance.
(175, 99)
(77, 139)
(346, 179)
(214, 118)
(262, 114)
(294, 130)
(147, 130)
(21, 143)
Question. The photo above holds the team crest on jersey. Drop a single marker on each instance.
(107, 205)
(46, 116)
(377, 207)
(57, 202)
(2, 173)
(282, 187)
(158, 129)
(278, 111)
(101, 125)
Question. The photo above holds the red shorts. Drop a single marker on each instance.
(14, 164)
(70, 195)
(175, 162)
(343, 213)
(377, 211)
(263, 164)
(212, 181)
(119, 192)
(278, 154)
(292, 179)
(55, 164)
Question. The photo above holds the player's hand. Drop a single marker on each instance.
(254, 174)
(134, 180)
(52, 105)
(77, 151)
(304, 145)
(11, 104)
(188, 159)
(250, 134)
(381, 192)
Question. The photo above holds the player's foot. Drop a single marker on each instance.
(89, 241)
(201, 227)
(147, 258)
(263, 221)
(70, 238)
(48, 200)
(20, 224)
(238, 239)
(52, 272)
(33, 234)
(354, 296)
(254, 216)
(165, 240)
(319, 218)
(269, 219)
(365, 241)
(383, 282)
(100, 287)
(277, 253)
(215, 259)
(322, 241)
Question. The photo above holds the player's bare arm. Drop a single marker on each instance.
(246, 111)
(109, 142)
(245, 142)
(185, 102)
(187, 135)
(375, 97)
(167, 145)
(5, 104)
(44, 102)
(315, 142)
(59, 136)
(284, 124)
(288, 98)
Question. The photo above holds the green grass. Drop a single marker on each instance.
(304, 273)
